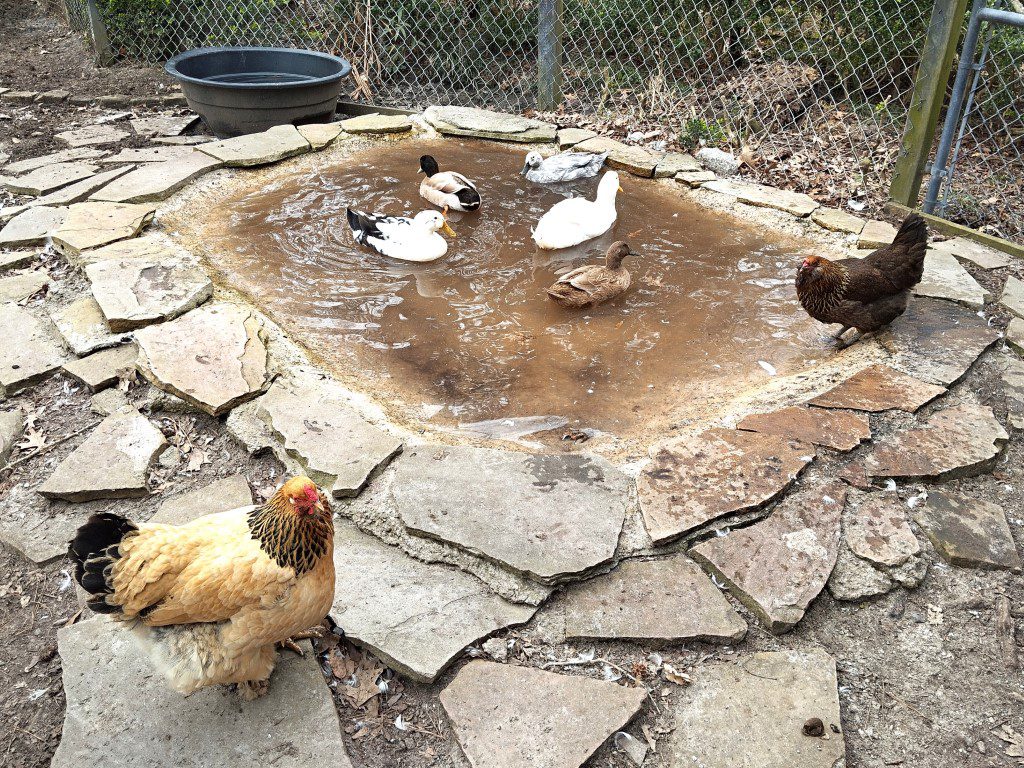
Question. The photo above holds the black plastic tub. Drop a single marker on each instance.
(247, 90)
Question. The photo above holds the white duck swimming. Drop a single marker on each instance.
(567, 166)
(447, 189)
(400, 237)
(577, 219)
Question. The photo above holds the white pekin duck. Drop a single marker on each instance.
(447, 189)
(576, 220)
(400, 237)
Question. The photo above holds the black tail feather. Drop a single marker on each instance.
(469, 198)
(363, 225)
(94, 550)
(914, 229)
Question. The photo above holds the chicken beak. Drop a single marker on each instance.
(448, 230)
(319, 506)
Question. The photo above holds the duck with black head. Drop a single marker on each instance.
(447, 189)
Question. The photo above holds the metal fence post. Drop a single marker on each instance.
(98, 35)
(549, 54)
(926, 103)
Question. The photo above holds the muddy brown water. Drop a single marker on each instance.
(473, 337)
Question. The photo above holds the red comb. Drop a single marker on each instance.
(311, 493)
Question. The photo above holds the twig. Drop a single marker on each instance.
(47, 448)
(28, 733)
(911, 707)
(1006, 630)
(612, 664)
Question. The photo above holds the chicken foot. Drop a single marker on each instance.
(290, 643)
(251, 690)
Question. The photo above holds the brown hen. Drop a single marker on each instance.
(868, 293)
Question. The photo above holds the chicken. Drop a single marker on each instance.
(593, 284)
(868, 293)
(209, 600)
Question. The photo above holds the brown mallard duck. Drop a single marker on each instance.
(593, 284)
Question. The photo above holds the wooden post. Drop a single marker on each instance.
(926, 103)
(549, 55)
(98, 35)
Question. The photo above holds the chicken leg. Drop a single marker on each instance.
(316, 632)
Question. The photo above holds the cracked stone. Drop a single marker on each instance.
(157, 154)
(837, 220)
(758, 705)
(878, 531)
(102, 369)
(944, 278)
(696, 481)
(38, 528)
(320, 135)
(213, 357)
(108, 401)
(695, 178)
(635, 160)
(417, 617)
(879, 388)
(209, 727)
(64, 156)
(84, 327)
(146, 248)
(938, 341)
(976, 253)
(1013, 296)
(92, 224)
(666, 600)
(376, 123)
(79, 191)
(570, 137)
(876, 234)
(795, 203)
(277, 143)
(511, 507)
(674, 163)
(19, 287)
(507, 716)
(840, 430)
(485, 124)
(968, 532)
(137, 292)
(12, 425)
(157, 181)
(961, 441)
(32, 226)
(112, 463)
(49, 178)
(16, 260)
(778, 566)
(163, 125)
(219, 496)
(854, 579)
(92, 135)
(30, 351)
(1013, 387)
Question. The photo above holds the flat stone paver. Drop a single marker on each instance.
(485, 124)
(136, 292)
(511, 508)
(154, 154)
(39, 528)
(854, 579)
(417, 617)
(377, 124)
(107, 401)
(213, 357)
(1013, 296)
(32, 226)
(968, 532)
(157, 181)
(320, 135)
(63, 156)
(695, 481)
(146, 247)
(665, 600)
(336, 447)
(719, 161)
(1013, 387)
(750, 713)
(163, 125)
(84, 328)
(837, 220)
(30, 350)
(675, 162)
(1015, 335)
(876, 234)
(11, 260)
(976, 253)
(12, 425)
(219, 496)
(102, 369)
(961, 441)
(944, 278)
(938, 341)
(879, 388)
(695, 179)
(275, 144)
(107, 675)
(92, 224)
(570, 137)
(79, 191)
(840, 430)
(183, 141)
(92, 135)
(877, 530)
(518, 717)
(778, 566)
(795, 203)
(112, 463)
(636, 160)
(48, 179)
(19, 287)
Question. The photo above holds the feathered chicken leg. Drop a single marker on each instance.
(316, 632)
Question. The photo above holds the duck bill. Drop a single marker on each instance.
(526, 167)
(448, 230)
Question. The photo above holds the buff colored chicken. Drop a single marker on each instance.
(210, 599)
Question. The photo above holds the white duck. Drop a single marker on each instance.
(447, 189)
(567, 166)
(400, 237)
(576, 220)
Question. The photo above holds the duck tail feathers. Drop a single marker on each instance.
(363, 225)
(469, 198)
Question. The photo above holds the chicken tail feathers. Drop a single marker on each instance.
(94, 550)
(902, 262)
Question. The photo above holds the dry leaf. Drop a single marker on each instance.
(675, 676)
(362, 686)
(196, 460)
(1014, 739)
(34, 440)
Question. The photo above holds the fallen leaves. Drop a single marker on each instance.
(1013, 739)
(34, 440)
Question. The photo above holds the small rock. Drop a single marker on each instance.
(877, 530)
(32, 226)
(92, 135)
(570, 137)
(1013, 386)
(377, 124)
(140, 291)
(320, 135)
(633, 748)
(836, 220)
(84, 327)
(12, 425)
(879, 388)
(275, 144)
(496, 648)
(108, 401)
(840, 430)
(814, 728)
(102, 369)
(1013, 296)
(695, 178)
(52, 97)
(674, 163)
(49, 178)
(875, 234)
(92, 224)
(20, 287)
(795, 203)
(485, 124)
(854, 579)
(170, 458)
(717, 161)
(635, 160)
(219, 496)
(30, 351)
(968, 532)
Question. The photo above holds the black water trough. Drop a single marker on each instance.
(247, 90)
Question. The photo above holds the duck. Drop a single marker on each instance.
(594, 284)
(401, 237)
(448, 189)
(567, 166)
(576, 220)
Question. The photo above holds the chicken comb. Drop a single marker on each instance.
(311, 494)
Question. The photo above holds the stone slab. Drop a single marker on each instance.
(155, 154)
(52, 97)
(695, 179)
(511, 508)
(838, 220)
(696, 481)
(968, 532)
(213, 357)
(30, 351)
(102, 369)
(877, 530)
(795, 203)
(146, 247)
(32, 226)
(961, 441)
(1013, 387)
(376, 123)
(719, 161)
(854, 579)
(163, 125)
(750, 713)
(277, 143)
(10, 260)
(77, 192)
(944, 278)
(879, 388)
(976, 253)
(84, 328)
(518, 717)
(570, 137)
(12, 425)
(320, 135)
(112, 463)
(485, 124)
(635, 160)
(19, 97)
(63, 156)
(49, 178)
(21, 286)
(336, 447)
(107, 675)
(876, 234)
(1013, 296)
(839, 430)
(92, 135)
(93, 224)
(417, 617)
(665, 600)
(219, 496)
(674, 163)
(778, 566)
(107, 401)
(183, 141)
(38, 528)
(1015, 335)
(136, 292)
